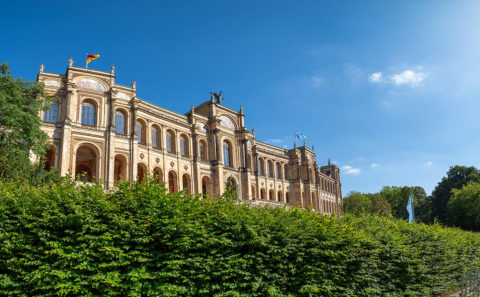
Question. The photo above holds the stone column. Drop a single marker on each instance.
(133, 144)
(110, 145)
(66, 142)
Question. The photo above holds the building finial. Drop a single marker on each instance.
(70, 62)
(294, 145)
(253, 131)
(134, 85)
(41, 67)
(241, 108)
(313, 148)
(304, 143)
(329, 162)
(112, 69)
(192, 110)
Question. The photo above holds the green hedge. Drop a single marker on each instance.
(63, 240)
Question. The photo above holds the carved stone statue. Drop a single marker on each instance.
(70, 62)
(41, 68)
(134, 85)
(217, 96)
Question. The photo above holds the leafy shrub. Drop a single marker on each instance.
(67, 240)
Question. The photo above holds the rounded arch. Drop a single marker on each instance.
(87, 82)
(156, 136)
(250, 163)
(172, 181)
(184, 145)
(271, 195)
(121, 120)
(262, 194)
(270, 171)
(142, 172)
(158, 175)
(254, 193)
(120, 168)
(261, 166)
(227, 147)
(278, 170)
(203, 150)
(206, 186)
(186, 184)
(287, 197)
(286, 171)
(89, 112)
(50, 158)
(170, 141)
(227, 122)
(87, 158)
(314, 200)
(280, 196)
(232, 185)
(140, 131)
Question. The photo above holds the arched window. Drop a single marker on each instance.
(50, 115)
(279, 196)
(278, 171)
(270, 169)
(262, 194)
(186, 183)
(253, 192)
(184, 146)
(170, 142)
(260, 166)
(157, 175)
(155, 137)
(287, 197)
(120, 122)
(250, 165)
(203, 151)
(88, 113)
(285, 169)
(140, 132)
(227, 154)
(271, 195)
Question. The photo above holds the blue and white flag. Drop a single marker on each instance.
(410, 209)
(299, 135)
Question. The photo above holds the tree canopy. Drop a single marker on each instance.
(463, 208)
(20, 133)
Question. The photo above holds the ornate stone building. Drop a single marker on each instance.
(104, 131)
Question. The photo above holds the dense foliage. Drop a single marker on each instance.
(463, 208)
(66, 240)
(20, 133)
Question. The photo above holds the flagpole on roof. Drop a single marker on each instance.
(86, 62)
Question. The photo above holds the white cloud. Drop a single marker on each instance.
(374, 165)
(317, 81)
(429, 164)
(274, 140)
(376, 77)
(408, 77)
(350, 170)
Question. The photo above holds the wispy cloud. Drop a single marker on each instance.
(376, 77)
(350, 170)
(374, 165)
(317, 81)
(409, 77)
(274, 140)
(429, 164)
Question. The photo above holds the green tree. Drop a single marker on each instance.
(398, 198)
(356, 203)
(20, 133)
(463, 208)
(457, 177)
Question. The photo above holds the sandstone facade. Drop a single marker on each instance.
(102, 130)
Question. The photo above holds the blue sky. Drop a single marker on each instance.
(389, 90)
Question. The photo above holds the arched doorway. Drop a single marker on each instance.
(50, 158)
(262, 194)
(186, 183)
(86, 163)
(141, 172)
(287, 197)
(254, 194)
(271, 195)
(158, 175)
(206, 187)
(172, 181)
(120, 168)
(279, 196)
(232, 186)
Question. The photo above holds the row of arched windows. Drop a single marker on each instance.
(273, 171)
(271, 195)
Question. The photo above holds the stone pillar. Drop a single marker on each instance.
(66, 142)
(133, 144)
(110, 145)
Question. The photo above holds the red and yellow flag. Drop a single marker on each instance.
(90, 58)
